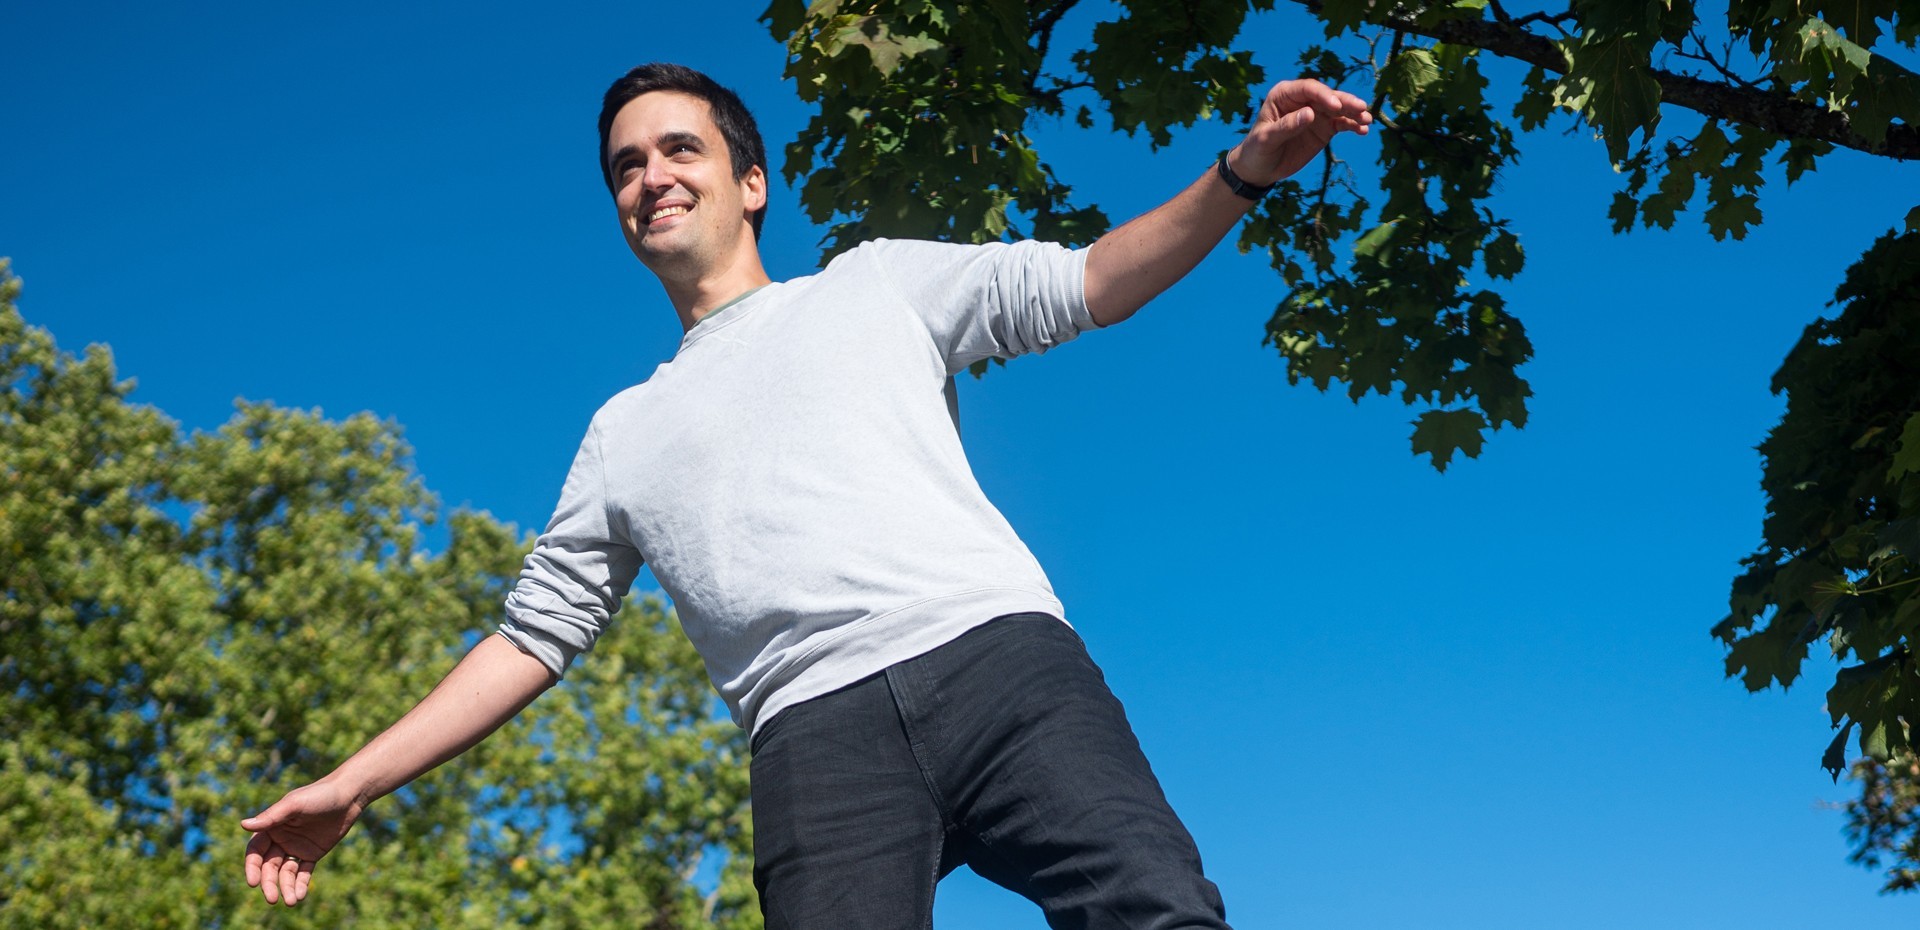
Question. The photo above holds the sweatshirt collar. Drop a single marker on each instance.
(719, 316)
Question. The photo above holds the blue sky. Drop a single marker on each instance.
(1380, 696)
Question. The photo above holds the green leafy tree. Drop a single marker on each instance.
(1840, 557)
(1884, 822)
(922, 125)
(192, 623)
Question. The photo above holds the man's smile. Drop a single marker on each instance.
(662, 212)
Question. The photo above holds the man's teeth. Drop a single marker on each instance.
(665, 211)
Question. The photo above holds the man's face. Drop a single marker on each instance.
(681, 208)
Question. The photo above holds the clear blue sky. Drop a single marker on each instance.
(1381, 697)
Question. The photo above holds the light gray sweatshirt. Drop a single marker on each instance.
(795, 478)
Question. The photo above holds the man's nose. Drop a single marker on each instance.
(655, 176)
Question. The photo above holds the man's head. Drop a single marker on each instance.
(728, 115)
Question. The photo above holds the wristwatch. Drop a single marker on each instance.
(1238, 186)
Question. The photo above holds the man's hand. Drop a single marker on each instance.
(485, 690)
(289, 837)
(1131, 265)
(1296, 121)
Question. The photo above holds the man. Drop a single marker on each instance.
(795, 479)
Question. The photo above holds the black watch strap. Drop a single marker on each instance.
(1238, 186)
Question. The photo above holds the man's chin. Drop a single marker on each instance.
(663, 257)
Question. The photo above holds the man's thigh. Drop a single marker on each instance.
(845, 834)
(1046, 782)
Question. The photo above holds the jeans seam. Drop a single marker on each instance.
(900, 690)
(916, 744)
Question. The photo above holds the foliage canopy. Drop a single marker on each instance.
(192, 623)
(1840, 558)
(924, 110)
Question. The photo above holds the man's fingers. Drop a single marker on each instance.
(266, 819)
(1349, 124)
(270, 880)
(1296, 121)
(289, 877)
(1289, 97)
(256, 859)
(1308, 120)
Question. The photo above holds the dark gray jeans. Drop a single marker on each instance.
(1002, 750)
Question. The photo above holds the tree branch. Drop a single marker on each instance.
(1773, 112)
(1553, 20)
(1043, 27)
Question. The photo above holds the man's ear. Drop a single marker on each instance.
(753, 187)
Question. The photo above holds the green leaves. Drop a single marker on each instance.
(1906, 455)
(927, 140)
(1731, 168)
(1537, 99)
(884, 48)
(1857, 18)
(1879, 696)
(1841, 552)
(1831, 61)
(1834, 760)
(1503, 255)
(1881, 822)
(1440, 433)
(1342, 16)
(1405, 318)
(1823, 41)
(1608, 81)
(1165, 64)
(1408, 75)
(1732, 216)
(192, 625)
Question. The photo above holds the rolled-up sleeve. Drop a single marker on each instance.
(578, 572)
(997, 300)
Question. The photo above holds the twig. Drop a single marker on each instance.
(1681, 52)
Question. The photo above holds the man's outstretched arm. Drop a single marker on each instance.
(1133, 264)
(495, 681)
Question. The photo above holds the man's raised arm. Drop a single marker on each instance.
(1133, 264)
(494, 682)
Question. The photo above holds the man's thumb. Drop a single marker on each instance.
(260, 821)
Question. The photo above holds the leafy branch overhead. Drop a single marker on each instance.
(921, 128)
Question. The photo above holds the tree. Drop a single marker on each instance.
(1842, 539)
(1884, 822)
(922, 110)
(192, 623)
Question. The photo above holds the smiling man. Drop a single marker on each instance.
(795, 479)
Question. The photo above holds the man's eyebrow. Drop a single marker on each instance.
(667, 139)
(621, 153)
(681, 136)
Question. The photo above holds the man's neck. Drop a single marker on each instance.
(696, 296)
